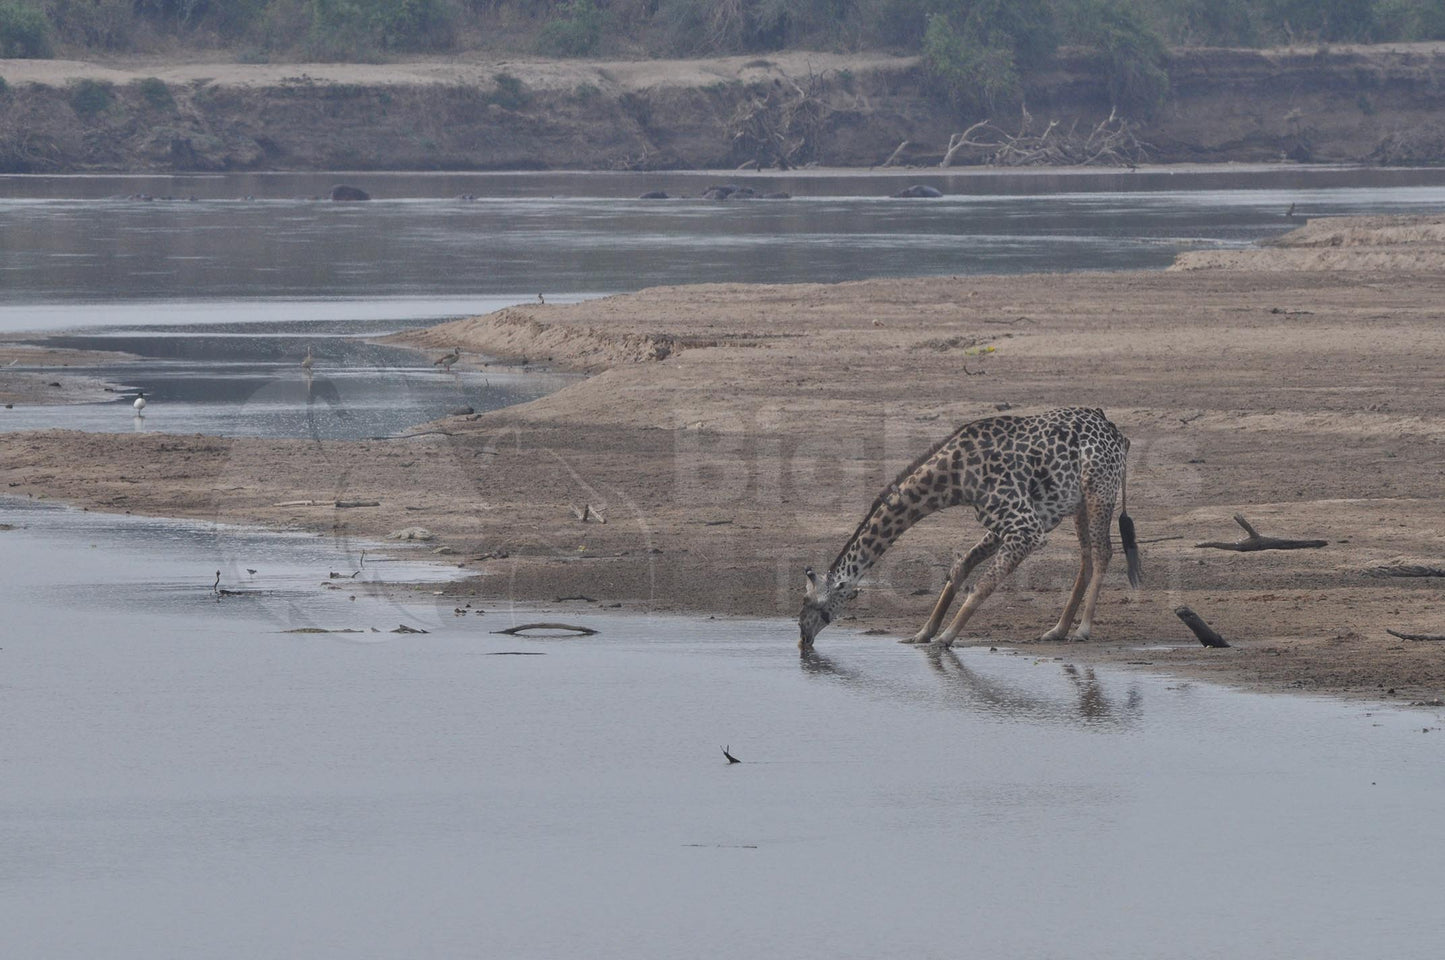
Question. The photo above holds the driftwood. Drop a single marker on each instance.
(1415, 636)
(338, 504)
(894, 155)
(1397, 569)
(588, 514)
(522, 628)
(781, 125)
(1256, 542)
(1111, 142)
(1202, 630)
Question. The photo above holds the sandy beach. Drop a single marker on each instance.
(732, 434)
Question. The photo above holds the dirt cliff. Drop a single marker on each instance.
(1378, 104)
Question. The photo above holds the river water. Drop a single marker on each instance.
(183, 777)
(220, 281)
(420, 251)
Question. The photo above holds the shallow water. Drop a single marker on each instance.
(246, 380)
(182, 778)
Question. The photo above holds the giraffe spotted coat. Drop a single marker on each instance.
(1022, 476)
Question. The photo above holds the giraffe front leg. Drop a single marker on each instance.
(1010, 555)
(962, 567)
(945, 600)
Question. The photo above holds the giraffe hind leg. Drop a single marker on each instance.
(1101, 548)
(1076, 595)
(962, 567)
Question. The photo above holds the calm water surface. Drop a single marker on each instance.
(184, 778)
(254, 259)
(246, 380)
(77, 240)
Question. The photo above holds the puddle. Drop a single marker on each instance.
(183, 778)
(241, 381)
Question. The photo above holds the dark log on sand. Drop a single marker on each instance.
(522, 628)
(1415, 636)
(1256, 542)
(1397, 569)
(1202, 630)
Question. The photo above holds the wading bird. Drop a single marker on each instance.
(446, 360)
(306, 363)
(140, 404)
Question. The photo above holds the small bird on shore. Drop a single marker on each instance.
(306, 363)
(542, 300)
(446, 360)
(140, 404)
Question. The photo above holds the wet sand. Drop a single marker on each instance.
(28, 374)
(734, 434)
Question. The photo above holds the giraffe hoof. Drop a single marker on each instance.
(1078, 636)
(919, 637)
(1052, 636)
(945, 641)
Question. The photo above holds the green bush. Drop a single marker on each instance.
(511, 93)
(90, 97)
(1132, 49)
(24, 32)
(1411, 19)
(357, 27)
(574, 35)
(966, 72)
(153, 90)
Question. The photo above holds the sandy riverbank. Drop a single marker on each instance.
(735, 433)
(31, 374)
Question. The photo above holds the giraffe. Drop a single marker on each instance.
(1022, 476)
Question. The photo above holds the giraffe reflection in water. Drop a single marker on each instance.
(1087, 703)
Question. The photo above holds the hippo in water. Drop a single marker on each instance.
(919, 190)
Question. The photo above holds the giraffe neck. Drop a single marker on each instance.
(927, 488)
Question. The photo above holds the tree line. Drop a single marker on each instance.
(976, 51)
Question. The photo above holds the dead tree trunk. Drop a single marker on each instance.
(1202, 630)
(1256, 542)
(1415, 636)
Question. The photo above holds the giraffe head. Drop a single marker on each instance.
(821, 604)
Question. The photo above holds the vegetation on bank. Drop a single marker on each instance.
(978, 54)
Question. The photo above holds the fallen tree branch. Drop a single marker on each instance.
(894, 155)
(1202, 630)
(1257, 542)
(1415, 636)
(1396, 569)
(520, 629)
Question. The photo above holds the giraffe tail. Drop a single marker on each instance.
(1126, 525)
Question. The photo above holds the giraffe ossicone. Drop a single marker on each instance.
(1022, 475)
